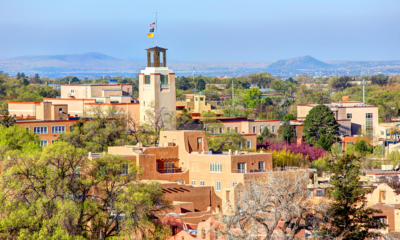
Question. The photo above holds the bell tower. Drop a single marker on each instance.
(157, 92)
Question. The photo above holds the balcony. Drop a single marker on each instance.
(170, 170)
(164, 86)
(248, 171)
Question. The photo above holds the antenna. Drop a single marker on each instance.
(156, 30)
(193, 72)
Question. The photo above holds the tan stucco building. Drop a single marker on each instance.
(351, 115)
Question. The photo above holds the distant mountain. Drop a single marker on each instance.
(59, 65)
(306, 62)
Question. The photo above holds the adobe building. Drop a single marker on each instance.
(387, 200)
(156, 84)
(183, 157)
(351, 115)
(197, 103)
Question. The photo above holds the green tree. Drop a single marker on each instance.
(289, 117)
(16, 138)
(287, 133)
(265, 135)
(340, 83)
(336, 149)
(59, 193)
(107, 127)
(349, 216)
(319, 121)
(201, 85)
(379, 79)
(18, 75)
(362, 147)
(25, 82)
(324, 142)
(184, 120)
(7, 120)
(251, 97)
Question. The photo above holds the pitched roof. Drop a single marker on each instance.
(156, 48)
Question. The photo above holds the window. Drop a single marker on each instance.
(164, 79)
(202, 182)
(220, 130)
(61, 118)
(382, 133)
(234, 184)
(236, 129)
(70, 128)
(28, 129)
(218, 186)
(201, 99)
(369, 125)
(273, 128)
(58, 129)
(43, 143)
(144, 103)
(60, 110)
(228, 129)
(349, 115)
(254, 129)
(199, 145)
(240, 145)
(319, 193)
(147, 79)
(216, 167)
(40, 130)
(52, 141)
(260, 165)
(124, 169)
(248, 144)
(180, 181)
(193, 182)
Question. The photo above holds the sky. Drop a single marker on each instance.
(203, 31)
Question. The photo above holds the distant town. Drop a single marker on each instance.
(201, 157)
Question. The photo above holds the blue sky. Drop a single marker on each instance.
(204, 31)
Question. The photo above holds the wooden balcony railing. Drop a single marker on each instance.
(170, 170)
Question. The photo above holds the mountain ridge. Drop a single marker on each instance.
(304, 62)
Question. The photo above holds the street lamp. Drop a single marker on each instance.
(283, 160)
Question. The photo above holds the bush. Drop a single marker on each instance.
(307, 151)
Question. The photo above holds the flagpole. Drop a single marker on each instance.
(156, 30)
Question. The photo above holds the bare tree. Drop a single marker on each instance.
(157, 119)
(276, 206)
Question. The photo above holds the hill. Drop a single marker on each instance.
(306, 62)
(86, 63)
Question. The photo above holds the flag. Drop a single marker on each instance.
(150, 35)
(153, 24)
(152, 30)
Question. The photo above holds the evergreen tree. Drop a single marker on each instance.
(324, 142)
(201, 85)
(287, 133)
(349, 217)
(320, 121)
(23, 75)
(7, 120)
(37, 78)
(18, 75)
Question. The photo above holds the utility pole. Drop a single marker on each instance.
(363, 84)
(233, 96)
